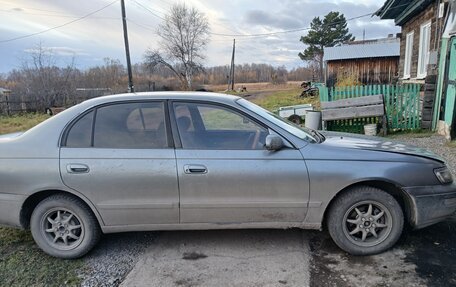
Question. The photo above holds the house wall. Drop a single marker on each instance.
(414, 24)
(369, 71)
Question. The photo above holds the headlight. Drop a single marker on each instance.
(444, 175)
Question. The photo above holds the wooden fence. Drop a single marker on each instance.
(10, 106)
(402, 104)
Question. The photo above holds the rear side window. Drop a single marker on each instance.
(126, 126)
(135, 125)
(80, 134)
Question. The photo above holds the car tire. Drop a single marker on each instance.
(365, 221)
(63, 226)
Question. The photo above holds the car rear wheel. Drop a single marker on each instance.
(365, 221)
(64, 227)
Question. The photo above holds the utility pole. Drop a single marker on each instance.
(131, 88)
(231, 82)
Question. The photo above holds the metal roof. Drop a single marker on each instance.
(4, 91)
(402, 10)
(361, 51)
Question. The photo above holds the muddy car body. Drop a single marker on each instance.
(174, 161)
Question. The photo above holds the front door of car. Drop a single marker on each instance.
(120, 158)
(225, 173)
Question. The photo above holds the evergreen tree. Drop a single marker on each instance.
(329, 32)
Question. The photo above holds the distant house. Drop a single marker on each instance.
(370, 62)
(4, 92)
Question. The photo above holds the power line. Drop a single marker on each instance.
(54, 15)
(150, 28)
(286, 31)
(149, 10)
(59, 26)
(301, 29)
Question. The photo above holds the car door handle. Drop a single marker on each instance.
(195, 168)
(77, 168)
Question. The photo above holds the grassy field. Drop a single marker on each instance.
(253, 87)
(288, 97)
(22, 263)
(20, 122)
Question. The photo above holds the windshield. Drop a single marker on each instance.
(300, 132)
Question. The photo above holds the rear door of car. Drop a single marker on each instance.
(121, 157)
(225, 173)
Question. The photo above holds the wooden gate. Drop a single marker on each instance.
(402, 104)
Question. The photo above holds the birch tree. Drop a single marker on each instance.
(184, 35)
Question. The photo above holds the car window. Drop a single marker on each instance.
(132, 125)
(80, 134)
(182, 113)
(301, 132)
(215, 118)
(206, 126)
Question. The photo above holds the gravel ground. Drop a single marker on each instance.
(114, 257)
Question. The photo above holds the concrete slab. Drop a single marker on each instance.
(224, 258)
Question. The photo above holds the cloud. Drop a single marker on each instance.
(281, 21)
(59, 51)
(101, 35)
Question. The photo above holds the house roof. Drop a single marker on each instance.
(4, 91)
(402, 10)
(377, 50)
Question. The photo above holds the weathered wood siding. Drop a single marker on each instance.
(414, 25)
(369, 71)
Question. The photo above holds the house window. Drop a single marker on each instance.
(423, 53)
(408, 55)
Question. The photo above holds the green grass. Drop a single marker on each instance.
(20, 122)
(285, 98)
(22, 263)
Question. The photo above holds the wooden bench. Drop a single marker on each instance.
(361, 107)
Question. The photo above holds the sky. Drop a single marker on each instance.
(90, 40)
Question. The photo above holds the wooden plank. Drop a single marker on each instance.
(352, 112)
(353, 102)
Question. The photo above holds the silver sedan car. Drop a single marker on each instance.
(176, 161)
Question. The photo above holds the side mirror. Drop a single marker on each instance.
(273, 142)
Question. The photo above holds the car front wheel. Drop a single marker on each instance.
(64, 227)
(365, 221)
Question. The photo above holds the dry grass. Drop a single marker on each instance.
(290, 97)
(251, 87)
(20, 122)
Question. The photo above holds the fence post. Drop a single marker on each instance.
(7, 105)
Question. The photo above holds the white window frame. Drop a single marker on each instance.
(408, 54)
(424, 50)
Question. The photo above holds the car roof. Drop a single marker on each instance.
(174, 95)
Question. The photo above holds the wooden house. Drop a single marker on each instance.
(366, 62)
(428, 55)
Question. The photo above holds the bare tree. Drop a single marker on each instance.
(43, 81)
(184, 35)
